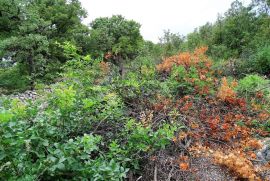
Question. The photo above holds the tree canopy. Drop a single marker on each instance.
(30, 29)
(117, 37)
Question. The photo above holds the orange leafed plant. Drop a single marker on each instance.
(186, 107)
(226, 92)
(186, 59)
(183, 162)
(108, 55)
(184, 166)
(236, 163)
(104, 66)
(196, 64)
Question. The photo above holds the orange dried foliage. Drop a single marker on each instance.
(108, 55)
(225, 126)
(252, 155)
(237, 163)
(184, 99)
(163, 105)
(197, 60)
(203, 114)
(229, 117)
(184, 166)
(186, 106)
(181, 136)
(204, 90)
(259, 94)
(183, 162)
(194, 125)
(199, 150)
(104, 66)
(226, 92)
(256, 107)
(242, 103)
(187, 60)
(207, 117)
(238, 117)
(252, 144)
(263, 116)
(213, 123)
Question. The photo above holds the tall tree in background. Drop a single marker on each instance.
(171, 43)
(200, 37)
(10, 16)
(117, 37)
(26, 45)
(239, 27)
(65, 17)
(30, 28)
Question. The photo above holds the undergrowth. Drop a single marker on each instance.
(96, 125)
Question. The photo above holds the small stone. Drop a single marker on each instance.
(264, 153)
(267, 156)
(259, 155)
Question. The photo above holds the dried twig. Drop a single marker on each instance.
(155, 173)
(170, 174)
(139, 178)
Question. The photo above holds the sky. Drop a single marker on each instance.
(155, 16)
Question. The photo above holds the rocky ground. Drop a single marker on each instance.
(27, 95)
(263, 157)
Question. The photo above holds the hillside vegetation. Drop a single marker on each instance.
(109, 105)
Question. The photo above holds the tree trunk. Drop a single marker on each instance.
(121, 66)
(31, 72)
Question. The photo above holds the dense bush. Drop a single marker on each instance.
(250, 85)
(262, 61)
(256, 89)
(240, 35)
(80, 130)
(189, 73)
(13, 79)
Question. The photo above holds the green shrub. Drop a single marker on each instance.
(143, 140)
(13, 79)
(232, 67)
(249, 85)
(143, 81)
(177, 82)
(35, 145)
(146, 139)
(262, 61)
(182, 81)
(80, 130)
(47, 142)
(220, 51)
(261, 125)
(64, 98)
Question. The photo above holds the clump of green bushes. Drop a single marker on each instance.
(79, 131)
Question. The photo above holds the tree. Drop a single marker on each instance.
(30, 29)
(31, 50)
(239, 27)
(27, 46)
(171, 43)
(117, 37)
(202, 36)
(10, 16)
(65, 17)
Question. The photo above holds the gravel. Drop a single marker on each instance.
(207, 170)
